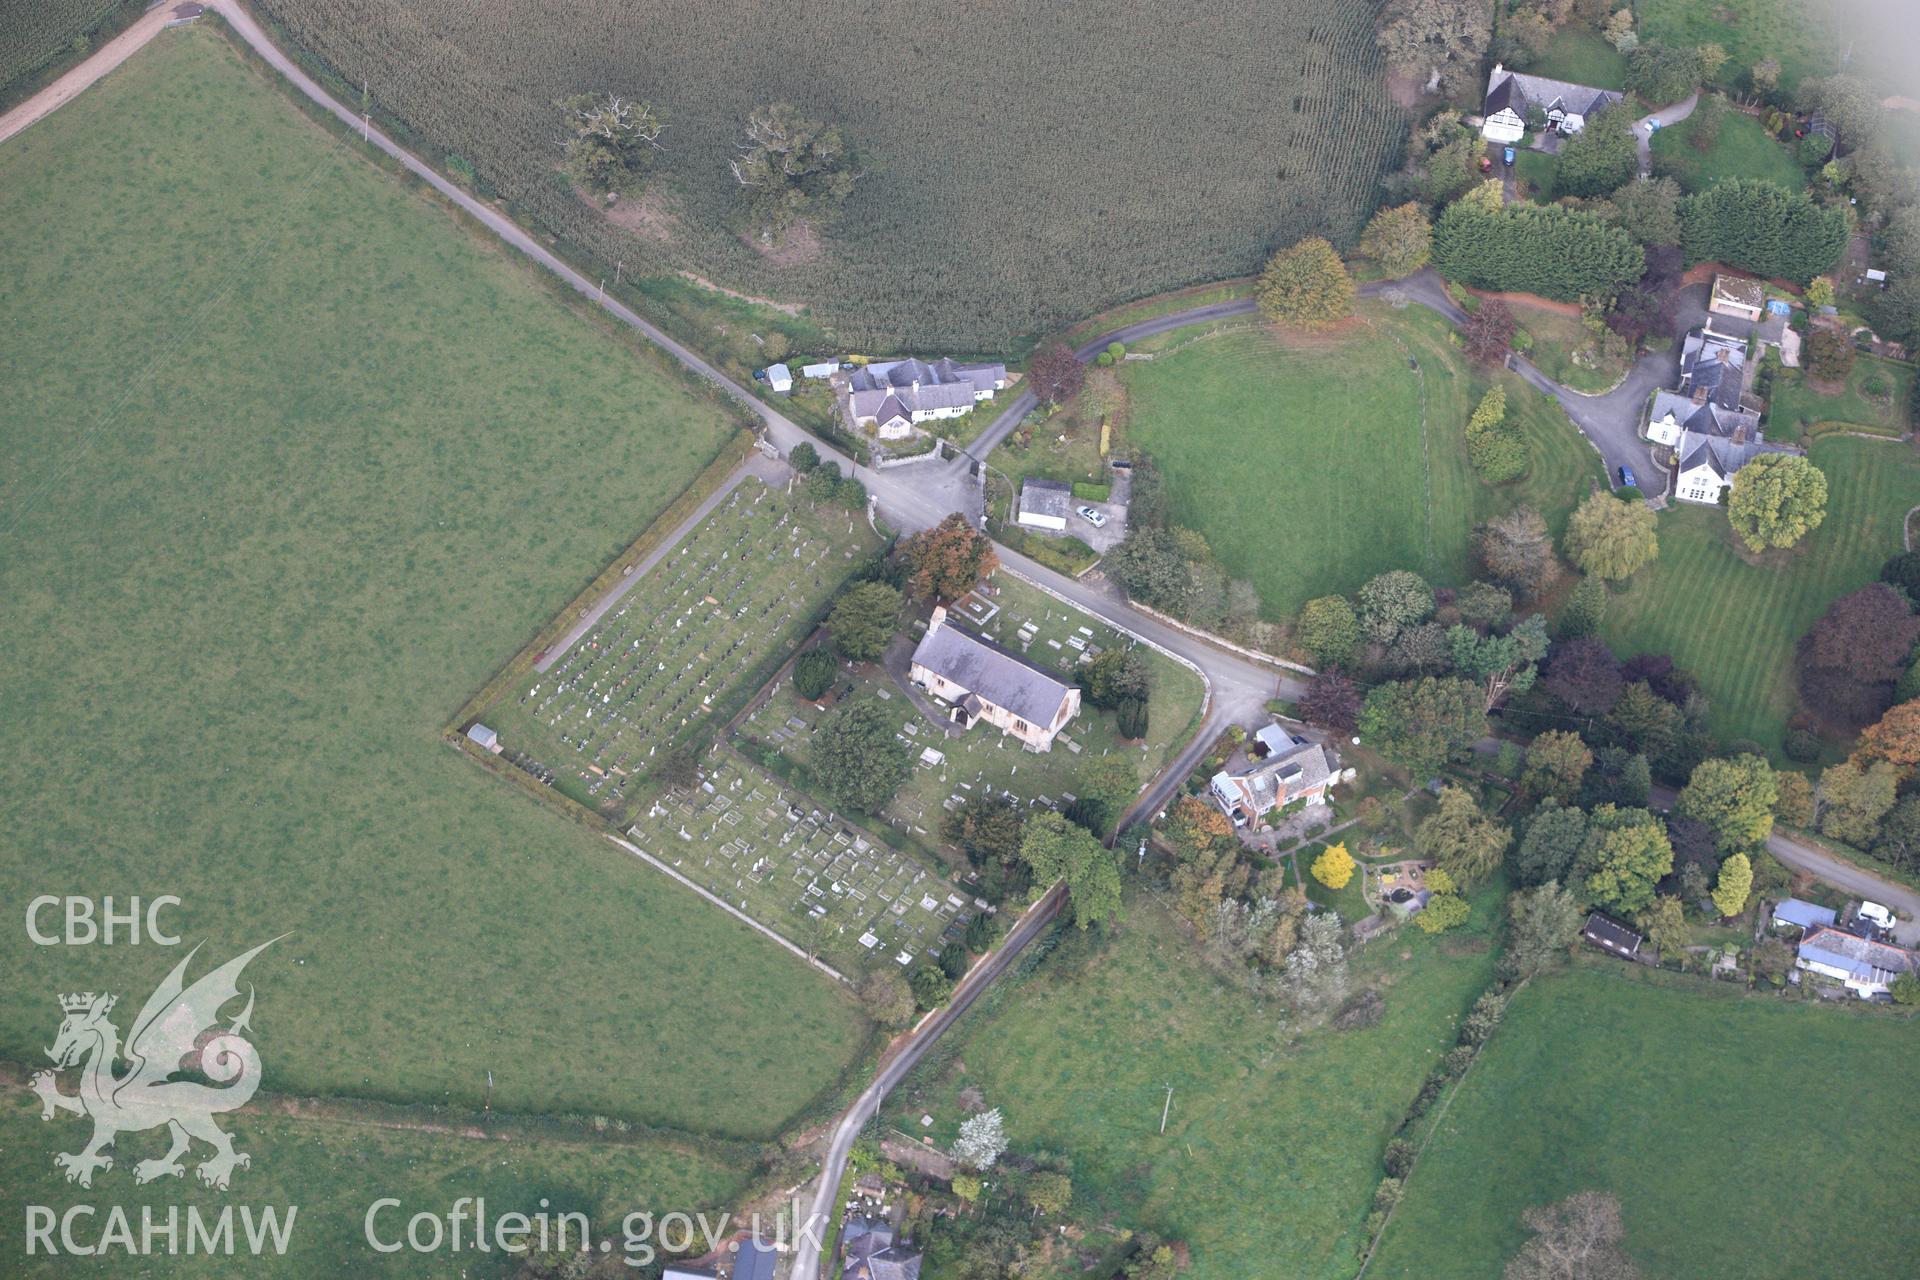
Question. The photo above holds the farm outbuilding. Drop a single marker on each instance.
(484, 738)
(779, 378)
(1044, 504)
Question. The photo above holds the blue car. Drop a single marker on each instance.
(1626, 478)
(1508, 157)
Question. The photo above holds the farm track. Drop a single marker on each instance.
(1238, 688)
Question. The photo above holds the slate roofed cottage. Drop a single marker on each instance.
(982, 681)
(872, 1254)
(894, 396)
(1867, 968)
(1566, 106)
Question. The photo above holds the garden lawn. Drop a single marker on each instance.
(1272, 1147)
(332, 1169)
(1713, 1117)
(1313, 464)
(1734, 624)
(1793, 31)
(1744, 149)
(1799, 405)
(289, 464)
(1537, 172)
(1581, 55)
(1555, 336)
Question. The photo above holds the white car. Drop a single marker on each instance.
(1093, 517)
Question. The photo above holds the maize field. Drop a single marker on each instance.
(1023, 164)
(33, 31)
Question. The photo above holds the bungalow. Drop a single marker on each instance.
(1738, 297)
(894, 396)
(1610, 935)
(1275, 768)
(1867, 968)
(1511, 96)
(1805, 916)
(982, 681)
(1044, 504)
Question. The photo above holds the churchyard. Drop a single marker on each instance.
(671, 659)
(802, 870)
(949, 768)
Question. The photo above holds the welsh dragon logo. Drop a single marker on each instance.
(177, 1030)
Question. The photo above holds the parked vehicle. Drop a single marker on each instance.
(1878, 916)
(1627, 480)
(1486, 164)
(1507, 155)
(1093, 517)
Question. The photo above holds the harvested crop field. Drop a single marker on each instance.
(1008, 185)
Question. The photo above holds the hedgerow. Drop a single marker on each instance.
(1542, 249)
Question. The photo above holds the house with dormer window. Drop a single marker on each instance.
(1566, 106)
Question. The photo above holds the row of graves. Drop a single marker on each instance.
(738, 591)
(774, 854)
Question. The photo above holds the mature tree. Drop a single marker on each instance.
(1903, 571)
(1762, 228)
(1488, 336)
(611, 140)
(1049, 1192)
(1392, 601)
(823, 482)
(1437, 43)
(950, 559)
(1736, 881)
(1626, 855)
(1484, 604)
(1131, 718)
(1399, 240)
(803, 457)
(858, 763)
(1557, 762)
(1618, 776)
(1466, 843)
(1793, 803)
(1334, 867)
(1196, 827)
(1115, 676)
(1663, 73)
(1314, 975)
(1421, 650)
(1328, 630)
(813, 673)
(1584, 674)
(1778, 499)
(1550, 250)
(1649, 210)
(1829, 354)
(1766, 74)
(1895, 737)
(864, 619)
(1667, 930)
(1543, 922)
(1576, 1239)
(1306, 286)
(1057, 849)
(982, 1140)
(1857, 651)
(931, 987)
(1610, 538)
(886, 997)
(1734, 798)
(1054, 374)
(1500, 663)
(1516, 550)
(1419, 723)
(1332, 701)
(792, 169)
(1585, 609)
(1552, 842)
(987, 829)
(1853, 797)
(1898, 841)
(1598, 158)
(1443, 911)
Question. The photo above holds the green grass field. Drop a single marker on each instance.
(1798, 404)
(1734, 624)
(289, 463)
(1273, 1143)
(1744, 149)
(1582, 56)
(1271, 444)
(1793, 31)
(333, 1170)
(1744, 1137)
